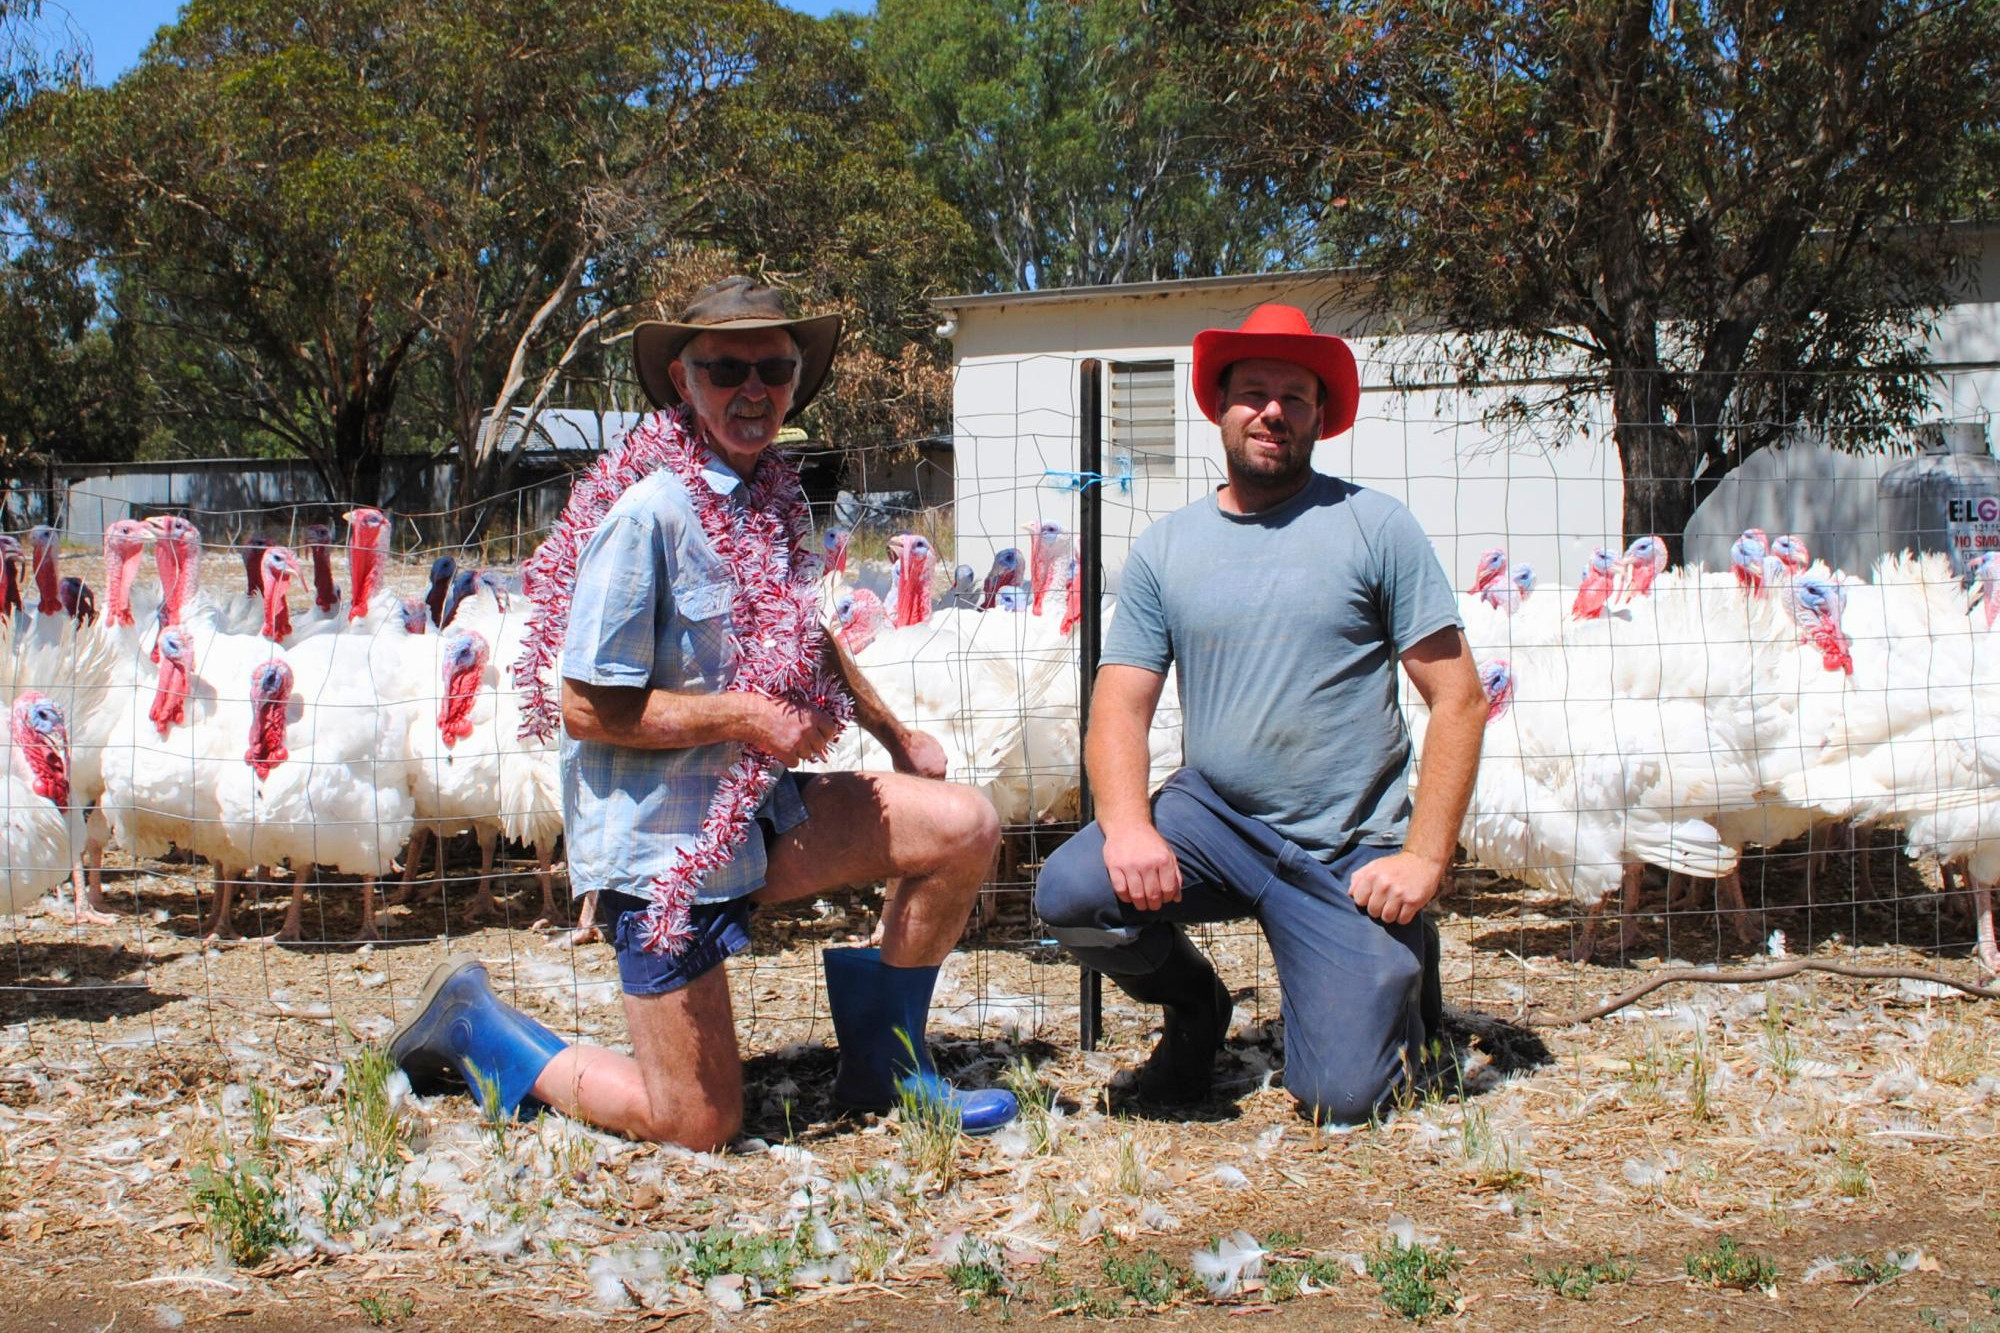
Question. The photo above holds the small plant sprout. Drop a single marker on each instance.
(386, 1311)
(1134, 1176)
(1727, 1264)
(491, 1114)
(1849, 1176)
(1411, 1277)
(978, 1273)
(1779, 1045)
(1575, 1282)
(1146, 1276)
(1038, 1102)
(233, 1190)
(927, 1128)
(1700, 1071)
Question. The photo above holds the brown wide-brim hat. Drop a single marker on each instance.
(1279, 333)
(733, 303)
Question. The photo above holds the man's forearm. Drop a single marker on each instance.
(648, 719)
(1450, 766)
(1120, 763)
(870, 713)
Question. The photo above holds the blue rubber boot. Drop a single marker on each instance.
(462, 1032)
(878, 1018)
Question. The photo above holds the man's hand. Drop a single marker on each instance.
(918, 752)
(793, 733)
(1393, 889)
(1144, 870)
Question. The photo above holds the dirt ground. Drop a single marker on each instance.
(160, 1099)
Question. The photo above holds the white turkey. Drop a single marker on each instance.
(1579, 794)
(168, 746)
(38, 827)
(474, 771)
(327, 778)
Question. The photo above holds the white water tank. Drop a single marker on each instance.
(1945, 499)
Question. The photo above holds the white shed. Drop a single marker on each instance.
(1548, 500)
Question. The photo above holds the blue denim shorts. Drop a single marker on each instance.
(721, 930)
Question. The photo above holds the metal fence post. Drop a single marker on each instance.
(1090, 572)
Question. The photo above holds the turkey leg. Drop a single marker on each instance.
(221, 924)
(1982, 907)
(545, 873)
(1629, 886)
(483, 903)
(413, 857)
(295, 909)
(1729, 901)
(368, 931)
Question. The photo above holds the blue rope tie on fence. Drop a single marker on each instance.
(1076, 481)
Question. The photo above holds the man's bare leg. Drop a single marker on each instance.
(936, 837)
(683, 1083)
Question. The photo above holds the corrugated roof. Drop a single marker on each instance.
(1141, 289)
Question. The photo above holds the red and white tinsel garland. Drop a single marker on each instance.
(775, 628)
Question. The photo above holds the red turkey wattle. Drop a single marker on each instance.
(42, 541)
(42, 738)
(465, 660)
(170, 694)
(253, 564)
(1047, 547)
(10, 575)
(368, 539)
(276, 571)
(319, 543)
(1072, 599)
(270, 697)
(913, 580)
(124, 544)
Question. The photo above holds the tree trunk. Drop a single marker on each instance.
(1657, 457)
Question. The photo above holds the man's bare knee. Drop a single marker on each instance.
(974, 828)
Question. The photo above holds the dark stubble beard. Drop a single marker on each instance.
(1269, 477)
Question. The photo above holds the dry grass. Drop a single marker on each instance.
(1808, 1120)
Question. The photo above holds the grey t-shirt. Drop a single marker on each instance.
(1285, 626)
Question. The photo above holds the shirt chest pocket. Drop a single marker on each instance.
(704, 601)
(701, 630)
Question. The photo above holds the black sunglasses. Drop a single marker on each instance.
(726, 372)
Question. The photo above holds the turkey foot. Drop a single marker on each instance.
(1729, 901)
(545, 875)
(81, 912)
(1628, 924)
(413, 858)
(221, 924)
(290, 932)
(1988, 948)
(586, 924)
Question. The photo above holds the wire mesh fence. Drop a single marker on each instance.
(1765, 752)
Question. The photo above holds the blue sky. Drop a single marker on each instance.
(116, 30)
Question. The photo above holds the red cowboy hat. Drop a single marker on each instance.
(1278, 333)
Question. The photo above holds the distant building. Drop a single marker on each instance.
(1547, 499)
(564, 436)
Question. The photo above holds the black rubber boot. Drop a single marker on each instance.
(1430, 1001)
(1181, 1069)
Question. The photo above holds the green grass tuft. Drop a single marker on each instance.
(1727, 1264)
(1147, 1276)
(928, 1129)
(234, 1191)
(1575, 1282)
(978, 1273)
(1412, 1277)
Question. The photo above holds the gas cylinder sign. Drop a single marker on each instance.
(1975, 526)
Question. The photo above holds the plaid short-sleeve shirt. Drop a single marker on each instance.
(651, 609)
